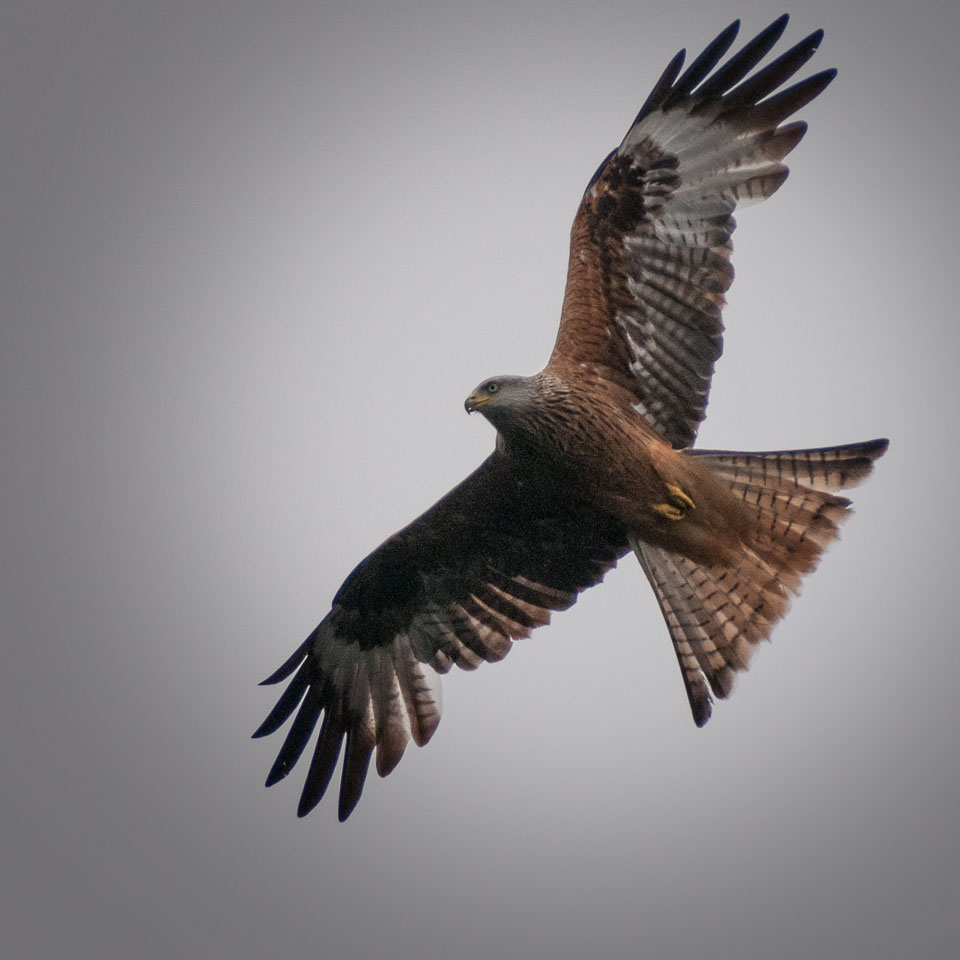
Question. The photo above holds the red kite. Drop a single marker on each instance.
(593, 454)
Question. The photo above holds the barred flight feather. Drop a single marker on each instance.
(823, 468)
(741, 63)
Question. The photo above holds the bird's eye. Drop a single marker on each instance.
(493, 387)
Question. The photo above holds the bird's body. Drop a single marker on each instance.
(594, 455)
(585, 437)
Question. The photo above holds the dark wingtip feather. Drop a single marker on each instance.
(765, 81)
(325, 757)
(775, 109)
(278, 771)
(316, 786)
(355, 763)
(742, 62)
(703, 64)
(297, 737)
(815, 39)
(662, 88)
(276, 774)
(285, 705)
(290, 664)
(823, 79)
(349, 798)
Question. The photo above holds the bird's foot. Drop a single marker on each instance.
(677, 507)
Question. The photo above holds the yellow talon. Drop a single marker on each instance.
(680, 506)
(678, 494)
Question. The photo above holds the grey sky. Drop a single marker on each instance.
(253, 258)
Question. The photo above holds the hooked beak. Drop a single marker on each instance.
(474, 402)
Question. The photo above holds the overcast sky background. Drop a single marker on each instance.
(254, 256)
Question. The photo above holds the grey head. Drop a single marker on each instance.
(503, 400)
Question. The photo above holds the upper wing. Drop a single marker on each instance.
(482, 567)
(650, 245)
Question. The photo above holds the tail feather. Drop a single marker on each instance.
(718, 613)
(826, 469)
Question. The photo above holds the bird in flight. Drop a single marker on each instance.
(594, 455)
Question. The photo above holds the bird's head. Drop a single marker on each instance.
(500, 397)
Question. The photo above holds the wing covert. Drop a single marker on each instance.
(651, 241)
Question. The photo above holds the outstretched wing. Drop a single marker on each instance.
(650, 245)
(481, 568)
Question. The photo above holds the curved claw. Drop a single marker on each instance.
(679, 505)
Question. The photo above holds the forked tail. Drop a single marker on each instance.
(717, 614)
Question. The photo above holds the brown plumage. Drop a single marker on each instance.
(593, 454)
